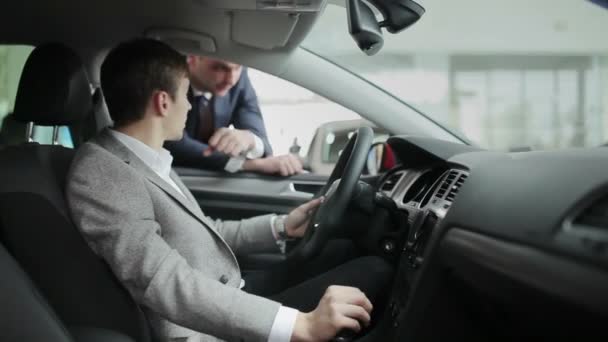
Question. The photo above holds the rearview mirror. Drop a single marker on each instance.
(398, 14)
(363, 27)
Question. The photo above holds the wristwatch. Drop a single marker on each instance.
(279, 226)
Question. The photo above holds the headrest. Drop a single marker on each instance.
(54, 89)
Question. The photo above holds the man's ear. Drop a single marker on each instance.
(161, 102)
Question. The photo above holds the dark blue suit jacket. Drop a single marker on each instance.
(238, 107)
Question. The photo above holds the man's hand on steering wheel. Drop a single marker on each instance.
(338, 192)
(297, 220)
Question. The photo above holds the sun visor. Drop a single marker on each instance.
(292, 6)
(272, 29)
(264, 24)
(184, 41)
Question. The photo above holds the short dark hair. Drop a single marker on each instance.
(133, 70)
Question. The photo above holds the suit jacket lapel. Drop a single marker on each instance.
(194, 203)
(188, 202)
(107, 141)
(175, 177)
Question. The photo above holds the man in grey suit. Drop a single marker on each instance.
(178, 264)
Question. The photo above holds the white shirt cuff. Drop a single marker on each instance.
(258, 150)
(273, 219)
(283, 325)
(234, 164)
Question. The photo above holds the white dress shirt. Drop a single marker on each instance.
(160, 162)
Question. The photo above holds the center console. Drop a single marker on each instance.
(423, 223)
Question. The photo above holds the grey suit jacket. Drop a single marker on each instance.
(176, 262)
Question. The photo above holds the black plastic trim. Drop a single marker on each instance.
(575, 282)
(192, 172)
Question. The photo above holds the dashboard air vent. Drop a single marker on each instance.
(391, 181)
(455, 187)
(447, 182)
(595, 216)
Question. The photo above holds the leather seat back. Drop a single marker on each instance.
(35, 224)
(26, 316)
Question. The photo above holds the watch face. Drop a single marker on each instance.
(281, 223)
(281, 231)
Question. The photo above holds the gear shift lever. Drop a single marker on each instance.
(344, 335)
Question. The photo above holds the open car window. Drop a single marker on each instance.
(302, 122)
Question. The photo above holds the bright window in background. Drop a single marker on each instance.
(510, 75)
(302, 122)
(12, 61)
(292, 114)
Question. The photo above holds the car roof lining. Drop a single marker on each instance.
(236, 34)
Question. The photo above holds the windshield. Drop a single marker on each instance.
(509, 75)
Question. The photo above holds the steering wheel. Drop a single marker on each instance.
(338, 192)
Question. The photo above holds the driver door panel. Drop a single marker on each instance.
(242, 195)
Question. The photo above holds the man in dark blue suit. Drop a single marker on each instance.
(221, 95)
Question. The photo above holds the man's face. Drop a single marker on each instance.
(213, 75)
(178, 111)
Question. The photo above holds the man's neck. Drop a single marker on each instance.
(146, 135)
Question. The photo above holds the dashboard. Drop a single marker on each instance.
(537, 221)
(431, 189)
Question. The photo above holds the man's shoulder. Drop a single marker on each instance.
(91, 152)
(97, 172)
(92, 158)
(241, 86)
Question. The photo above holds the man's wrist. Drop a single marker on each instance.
(250, 165)
(302, 328)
